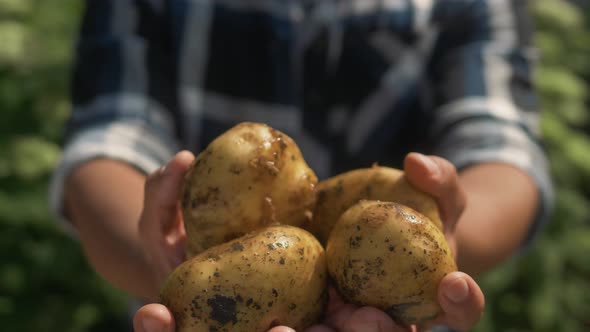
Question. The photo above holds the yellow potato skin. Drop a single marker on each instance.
(249, 177)
(336, 194)
(389, 256)
(273, 276)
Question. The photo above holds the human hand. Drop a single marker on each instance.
(161, 227)
(461, 299)
(438, 177)
(459, 295)
(157, 318)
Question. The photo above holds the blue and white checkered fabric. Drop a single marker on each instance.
(353, 82)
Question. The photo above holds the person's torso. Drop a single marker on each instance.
(343, 78)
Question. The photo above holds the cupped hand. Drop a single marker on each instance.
(438, 177)
(461, 299)
(157, 318)
(161, 228)
(459, 295)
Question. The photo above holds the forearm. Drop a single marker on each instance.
(104, 199)
(501, 205)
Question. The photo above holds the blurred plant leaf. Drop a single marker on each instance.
(557, 15)
(544, 309)
(12, 35)
(559, 83)
(14, 7)
(45, 281)
(576, 297)
(11, 278)
(572, 207)
(33, 157)
(576, 246)
(21, 207)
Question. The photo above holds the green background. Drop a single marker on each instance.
(46, 284)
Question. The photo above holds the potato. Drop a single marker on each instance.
(273, 276)
(336, 194)
(249, 177)
(389, 256)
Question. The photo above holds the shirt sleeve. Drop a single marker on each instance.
(115, 113)
(484, 95)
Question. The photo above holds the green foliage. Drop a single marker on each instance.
(548, 287)
(46, 284)
(45, 281)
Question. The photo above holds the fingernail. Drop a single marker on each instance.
(184, 154)
(429, 163)
(282, 329)
(458, 290)
(152, 325)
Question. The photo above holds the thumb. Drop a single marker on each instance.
(462, 301)
(153, 318)
(438, 177)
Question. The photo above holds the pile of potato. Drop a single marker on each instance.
(257, 223)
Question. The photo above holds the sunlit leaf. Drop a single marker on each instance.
(550, 46)
(12, 35)
(558, 15)
(33, 157)
(559, 83)
(576, 149)
(15, 7)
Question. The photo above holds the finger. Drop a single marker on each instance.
(369, 319)
(162, 187)
(315, 328)
(281, 329)
(462, 301)
(351, 318)
(162, 190)
(175, 239)
(153, 318)
(320, 328)
(438, 177)
(161, 222)
(337, 311)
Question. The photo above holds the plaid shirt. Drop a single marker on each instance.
(352, 81)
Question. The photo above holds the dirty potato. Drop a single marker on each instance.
(273, 276)
(249, 177)
(336, 194)
(389, 256)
